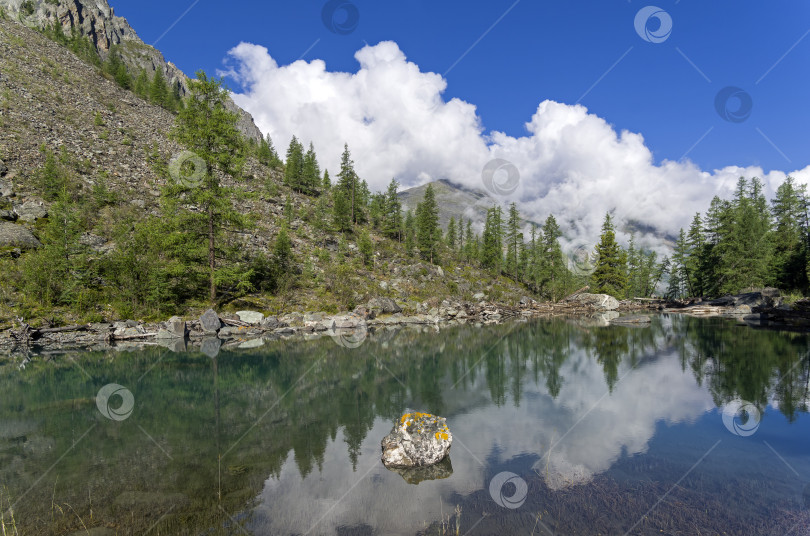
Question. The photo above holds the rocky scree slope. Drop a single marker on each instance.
(96, 20)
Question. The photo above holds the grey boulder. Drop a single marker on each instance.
(383, 305)
(416, 440)
(210, 322)
(31, 211)
(12, 235)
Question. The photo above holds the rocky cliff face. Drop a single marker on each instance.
(96, 20)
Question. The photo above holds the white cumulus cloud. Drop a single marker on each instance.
(572, 163)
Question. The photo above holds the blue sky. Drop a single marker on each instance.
(555, 49)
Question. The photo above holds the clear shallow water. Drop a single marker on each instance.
(590, 429)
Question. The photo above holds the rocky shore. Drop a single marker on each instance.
(249, 329)
(214, 331)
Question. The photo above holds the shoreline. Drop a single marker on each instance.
(213, 331)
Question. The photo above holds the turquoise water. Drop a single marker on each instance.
(560, 427)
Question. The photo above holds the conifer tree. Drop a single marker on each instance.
(427, 226)
(158, 91)
(610, 275)
(341, 210)
(294, 166)
(311, 171)
(410, 233)
(204, 207)
(451, 233)
(348, 182)
(392, 212)
(513, 238)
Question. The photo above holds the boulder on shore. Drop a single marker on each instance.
(416, 440)
(383, 305)
(599, 301)
(210, 322)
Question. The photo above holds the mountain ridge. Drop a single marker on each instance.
(96, 20)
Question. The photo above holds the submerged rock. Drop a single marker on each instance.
(417, 439)
(415, 475)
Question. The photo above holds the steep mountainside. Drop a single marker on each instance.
(96, 20)
(454, 201)
(108, 139)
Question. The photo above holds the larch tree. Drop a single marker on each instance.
(203, 204)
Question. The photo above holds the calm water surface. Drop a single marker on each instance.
(560, 427)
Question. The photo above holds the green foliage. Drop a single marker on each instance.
(141, 85)
(348, 183)
(428, 232)
(267, 155)
(204, 211)
(491, 254)
(27, 8)
(341, 210)
(294, 166)
(514, 240)
(610, 275)
(59, 271)
(366, 247)
(117, 69)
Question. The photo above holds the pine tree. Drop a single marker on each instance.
(789, 262)
(513, 242)
(392, 212)
(267, 154)
(326, 184)
(158, 92)
(551, 270)
(427, 225)
(678, 274)
(341, 210)
(294, 166)
(366, 247)
(696, 262)
(348, 182)
(115, 67)
(492, 241)
(460, 234)
(206, 207)
(141, 85)
(410, 233)
(311, 171)
(610, 275)
(451, 233)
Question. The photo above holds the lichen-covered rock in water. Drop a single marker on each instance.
(417, 439)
